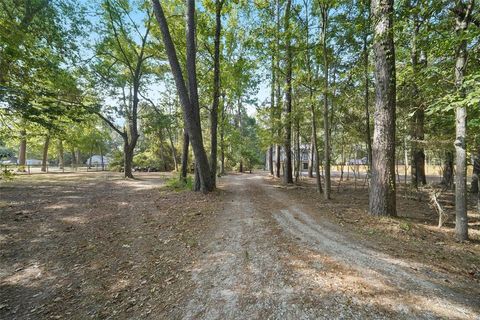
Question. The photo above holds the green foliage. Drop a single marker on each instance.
(178, 184)
(6, 175)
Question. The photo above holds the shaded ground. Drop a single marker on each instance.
(79, 246)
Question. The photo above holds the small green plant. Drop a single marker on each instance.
(179, 184)
(6, 175)
(405, 226)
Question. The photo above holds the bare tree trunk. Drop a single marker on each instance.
(127, 159)
(22, 154)
(311, 153)
(277, 160)
(382, 201)
(45, 153)
(417, 123)
(297, 150)
(476, 172)
(216, 91)
(102, 161)
(447, 176)
(368, 135)
(183, 175)
(278, 165)
(288, 178)
(326, 130)
(188, 98)
(461, 221)
(61, 162)
(270, 160)
(222, 138)
(272, 110)
(315, 146)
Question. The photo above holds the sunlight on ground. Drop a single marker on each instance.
(74, 220)
(26, 277)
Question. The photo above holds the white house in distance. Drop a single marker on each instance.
(33, 162)
(304, 155)
(96, 160)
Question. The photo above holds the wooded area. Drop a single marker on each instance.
(305, 90)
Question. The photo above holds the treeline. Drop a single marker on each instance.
(90, 78)
(171, 79)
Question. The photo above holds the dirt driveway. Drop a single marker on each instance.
(274, 258)
(91, 248)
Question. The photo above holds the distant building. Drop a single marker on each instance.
(33, 162)
(304, 156)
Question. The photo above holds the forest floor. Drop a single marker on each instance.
(92, 245)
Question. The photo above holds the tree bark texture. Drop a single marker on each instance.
(476, 172)
(22, 153)
(61, 162)
(382, 201)
(288, 177)
(216, 91)
(183, 174)
(326, 120)
(417, 126)
(461, 218)
(447, 176)
(46, 144)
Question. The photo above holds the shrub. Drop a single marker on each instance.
(178, 184)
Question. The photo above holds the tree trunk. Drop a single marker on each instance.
(127, 159)
(297, 150)
(315, 145)
(188, 98)
(278, 165)
(272, 110)
(102, 161)
(45, 153)
(326, 130)
(216, 91)
(368, 135)
(288, 178)
(277, 160)
(382, 201)
(270, 160)
(222, 138)
(447, 177)
(311, 156)
(22, 153)
(61, 163)
(183, 174)
(197, 184)
(461, 218)
(476, 172)
(90, 157)
(418, 120)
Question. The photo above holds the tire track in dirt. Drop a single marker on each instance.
(241, 276)
(421, 295)
(270, 259)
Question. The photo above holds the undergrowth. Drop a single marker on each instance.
(178, 184)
